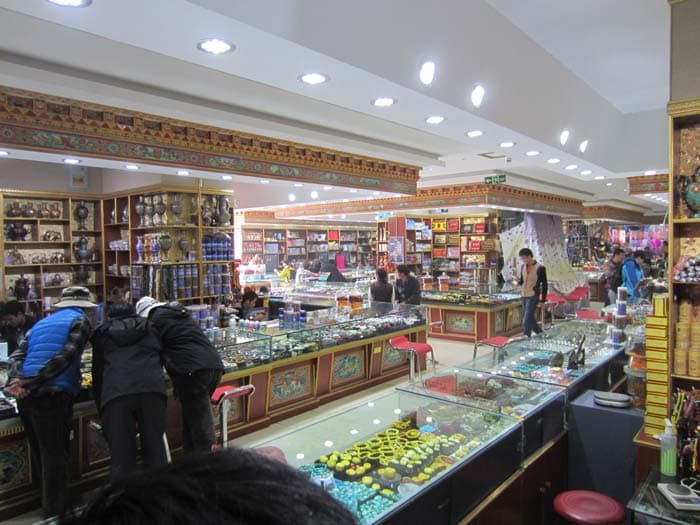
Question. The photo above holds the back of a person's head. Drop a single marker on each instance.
(232, 487)
(382, 275)
(11, 308)
(120, 308)
(618, 251)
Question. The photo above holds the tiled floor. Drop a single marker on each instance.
(447, 354)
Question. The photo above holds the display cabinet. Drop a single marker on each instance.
(540, 407)
(406, 458)
(242, 352)
(321, 293)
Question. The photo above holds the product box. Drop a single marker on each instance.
(659, 377)
(689, 246)
(452, 225)
(657, 343)
(656, 366)
(657, 388)
(480, 227)
(661, 305)
(656, 355)
(658, 333)
(656, 321)
(660, 410)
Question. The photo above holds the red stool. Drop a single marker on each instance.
(221, 398)
(585, 507)
(415, 350)
(495, 343)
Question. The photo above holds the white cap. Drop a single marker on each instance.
(145, 305)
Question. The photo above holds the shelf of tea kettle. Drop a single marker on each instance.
(37, 265)
(229, 227)
(165, 227)
(35, 219)
(117, 250)
(31, 243)
(62, 286)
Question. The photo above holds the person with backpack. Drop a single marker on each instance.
(194, 366)
(613, 275)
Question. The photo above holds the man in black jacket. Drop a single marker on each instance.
(194, 366)
(129, 389)
(407, 286)
(15, 324)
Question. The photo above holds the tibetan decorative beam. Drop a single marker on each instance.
(648, 184)
(445, 196)
(613, 214)
(39, 122)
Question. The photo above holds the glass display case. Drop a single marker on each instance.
(541, 407)
(331, 327)
(465, 298)
(554, 357)
(320, 293)
(384, 458)
(242, 352)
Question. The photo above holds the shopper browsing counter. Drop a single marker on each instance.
(407, 286)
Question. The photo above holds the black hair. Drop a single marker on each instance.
(402, 268)
(525, 252)
(639, 253)
(250, 295)
(665, 243)
(618, 251)
(120, 308)
(12, 308)
(382, 275)
(235, 486)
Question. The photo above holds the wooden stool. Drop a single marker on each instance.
(585, 507)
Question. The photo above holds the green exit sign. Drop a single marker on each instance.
(495, 179)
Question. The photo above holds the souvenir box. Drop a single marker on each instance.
(406, 458)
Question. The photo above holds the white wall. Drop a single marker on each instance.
(44, 176)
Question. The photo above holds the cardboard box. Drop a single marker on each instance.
(657, 366)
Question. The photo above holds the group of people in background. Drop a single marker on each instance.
(629, 269)
(131, 349)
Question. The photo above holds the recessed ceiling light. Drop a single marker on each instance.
(427, 73)
(71, 161)
(314, 194)
(435, 119)
(383, 102)
(226, 177)
(564, 136)
(183, 173)
(583, 146)
(4, 153)
(264, 181)
(507, 144)
(608, 183)
(478, 95)
(346, 200)
(554, 161)
(650, 172)
(353, 190)
(328, 188)
(298, 185)
(599, 177)
(292, 197)
(313, 79)
(215, 46)
(586, 172)
(474, 133)
(131, 167)
(571, 167)
(71, 3)
(532, 153)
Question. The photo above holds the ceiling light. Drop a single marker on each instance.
(71, 3)
(313, 79)
(215, 46)
(4, 153)
(131, 167)
(292, 197)
(353, 190)
(375, 193)
(71, 161)
(298, 185)
(427, 73)
(226, 177)
(583, 146)
(474, 133)
(478, 95)
(435, 119)
(650, 172)
(346, 200)
(264, 181)
(507, 144)
(608, 183)
(554, 161)
(647, 194)
(532, 153)
(384, 102)
(598, 177)
(564, 137)
(571, 167)
(586, 172)
(314, 194)
(183, 173)
(328, 188)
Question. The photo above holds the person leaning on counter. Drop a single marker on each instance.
(15, 324)
(407, 286)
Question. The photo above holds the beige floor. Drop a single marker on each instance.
(447, 353)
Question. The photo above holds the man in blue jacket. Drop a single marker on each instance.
(45, 378)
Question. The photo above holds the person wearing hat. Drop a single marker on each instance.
(45, 378)
(129, 388)
(194, 366)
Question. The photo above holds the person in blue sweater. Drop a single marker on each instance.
(45, 378)
(632, 273)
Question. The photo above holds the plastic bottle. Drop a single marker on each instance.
(669, 451)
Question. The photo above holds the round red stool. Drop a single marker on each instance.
(585, 507)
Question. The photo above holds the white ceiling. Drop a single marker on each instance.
(117, 53)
